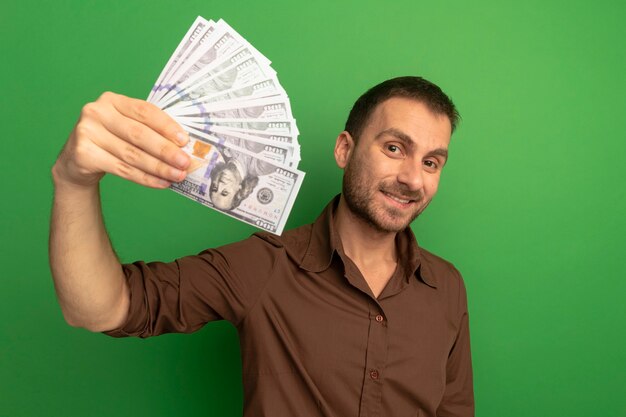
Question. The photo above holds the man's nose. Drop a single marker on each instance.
(412, 175)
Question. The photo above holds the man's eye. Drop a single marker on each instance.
(394, 150)
(431, 164)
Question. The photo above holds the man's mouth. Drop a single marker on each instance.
(399, 199)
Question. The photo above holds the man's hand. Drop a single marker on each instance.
(127, 137)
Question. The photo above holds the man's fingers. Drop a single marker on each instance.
(143, 137)
(113, 165)
(126, 137)
(131, 158)
(148, 114)
(129, 138)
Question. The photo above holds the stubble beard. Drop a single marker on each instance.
(359, 194)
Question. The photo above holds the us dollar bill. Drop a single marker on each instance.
(223, 44)
(239, 184)
(268, 108)
(275, 142)
(170, 79)
(207, 72)
(192, 35)
(256, 135)
(243, 137)
(240, 69)
(266, 87)
(274, 152)
(252, 126)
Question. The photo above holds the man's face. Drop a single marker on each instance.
(224, 186)
(393, 171)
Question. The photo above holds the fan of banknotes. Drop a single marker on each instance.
(243, 137)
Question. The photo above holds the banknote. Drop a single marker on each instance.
(274, 152)
(267, 108)
(257, 135)
(225, 42)
(196, 29)
(266, 87)
(275, 142)
(218, 65)
(170, 79)
(243, 136)
(238, 70)
(239, 184)
(252, 126)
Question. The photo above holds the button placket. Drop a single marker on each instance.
(376, 359)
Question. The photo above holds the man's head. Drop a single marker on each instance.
(415, 88)
(228, 188)
(393, 149)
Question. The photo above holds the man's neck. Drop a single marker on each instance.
(368, 247)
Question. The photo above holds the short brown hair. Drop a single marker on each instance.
(412, 87)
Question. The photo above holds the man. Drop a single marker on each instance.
(344, 317)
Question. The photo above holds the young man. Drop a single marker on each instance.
(344, 317)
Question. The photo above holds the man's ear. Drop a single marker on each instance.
(344, 146)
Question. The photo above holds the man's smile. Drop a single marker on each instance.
(401, 199)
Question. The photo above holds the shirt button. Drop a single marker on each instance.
(379, 318)
(374, 374)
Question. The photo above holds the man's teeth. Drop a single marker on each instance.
(399, 200)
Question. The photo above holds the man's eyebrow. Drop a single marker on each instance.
(439, 152)
(398, 134)
(406, 139)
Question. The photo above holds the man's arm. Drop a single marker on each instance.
(126, 137)
(458, 398)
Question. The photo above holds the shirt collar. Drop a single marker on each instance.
(324, 242)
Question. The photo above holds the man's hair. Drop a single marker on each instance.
(411, 87)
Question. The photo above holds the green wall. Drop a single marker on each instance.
(531, 206)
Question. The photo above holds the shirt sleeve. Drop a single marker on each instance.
(458, 398)
(183, 295)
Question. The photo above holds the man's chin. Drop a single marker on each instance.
(380, 216)
(390, 223)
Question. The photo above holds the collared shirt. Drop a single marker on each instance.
(314, 339)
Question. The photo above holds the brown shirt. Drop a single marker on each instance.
(314, 340)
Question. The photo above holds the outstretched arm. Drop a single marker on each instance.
(126, 137)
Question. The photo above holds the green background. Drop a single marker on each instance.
(530, 208)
